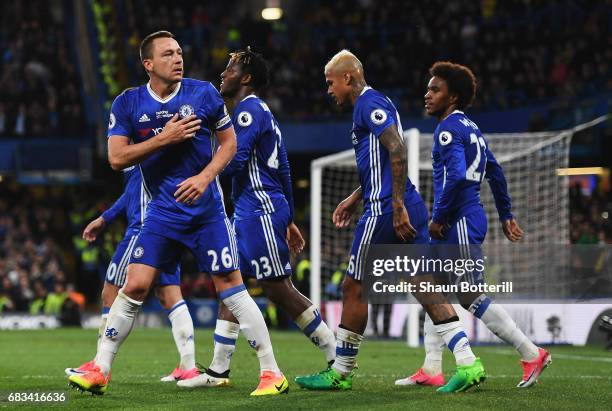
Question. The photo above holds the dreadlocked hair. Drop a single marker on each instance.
(254, 64)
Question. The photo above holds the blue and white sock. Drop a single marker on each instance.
(347, 347)
(313, 326)
(226, 334)
(252, 324)
(118, 326)
(502, 325)
(182, 331)
(456, 340)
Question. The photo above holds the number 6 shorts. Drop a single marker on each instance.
(213, 244)
(262, 245)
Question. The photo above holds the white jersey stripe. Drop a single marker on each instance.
(253, 182)
(256, 183)
(232, 241)
(363, 244)
(220, 191)
(378, 174)
(265, 195)
(270, 245)
(122, 267)
(276, 254)
(375, 180)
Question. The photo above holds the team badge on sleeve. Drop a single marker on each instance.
(445, 138)
(378, 116)
(185, 111)
(245, 119)
(111, 121)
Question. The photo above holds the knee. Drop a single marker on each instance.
(136, 290)
(162, 299)
(351, 289)
(276, 291)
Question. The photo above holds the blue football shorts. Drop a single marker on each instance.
(116, 272)
(213, 244)
(379, 230)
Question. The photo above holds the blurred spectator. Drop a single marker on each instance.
(590, 213)
(37, 74)
(523, 52)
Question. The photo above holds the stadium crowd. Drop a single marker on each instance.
(42, 264)
(523, 52)
(591, 214)
(41, 95)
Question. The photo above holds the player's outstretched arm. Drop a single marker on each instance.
(93, 229)
(343, 213)
(394, 143)
(191, 189)
(96, 226)
(122, 154)
(499, 187)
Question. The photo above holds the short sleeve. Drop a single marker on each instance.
(217, 117)
(377, 114)
(119, 123)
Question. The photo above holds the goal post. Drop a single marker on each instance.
(540, 200)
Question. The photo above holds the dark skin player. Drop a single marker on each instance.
(235, 86)
(440, 103)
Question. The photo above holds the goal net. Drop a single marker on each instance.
(540, 197)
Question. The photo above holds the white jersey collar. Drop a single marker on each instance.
(454, 112)
(249, 96)
(366, 88)
(163, 100)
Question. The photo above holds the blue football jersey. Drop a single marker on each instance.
(372, 114)
(261, 181)
(133, 201)
(461, 160)
(140, 114)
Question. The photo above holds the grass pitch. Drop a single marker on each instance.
(579, 378)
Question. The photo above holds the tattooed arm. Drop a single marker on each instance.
(396, 147)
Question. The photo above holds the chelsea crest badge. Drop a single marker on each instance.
(185, 111)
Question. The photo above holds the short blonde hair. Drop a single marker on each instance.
(344, 58)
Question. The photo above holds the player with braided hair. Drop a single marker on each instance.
(263, 216)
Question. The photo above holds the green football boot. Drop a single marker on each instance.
(465, 377)
(328, 379)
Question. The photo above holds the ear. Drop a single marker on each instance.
(453, 99)
(246, 79)
(347, 77)
(148, 65)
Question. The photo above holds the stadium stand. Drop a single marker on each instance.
(524, 54)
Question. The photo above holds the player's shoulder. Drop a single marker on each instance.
(250, 109)
(128, 94)
(453, 127)
(201, 86)
(371, 97)
(372, 105)
(458, 122)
